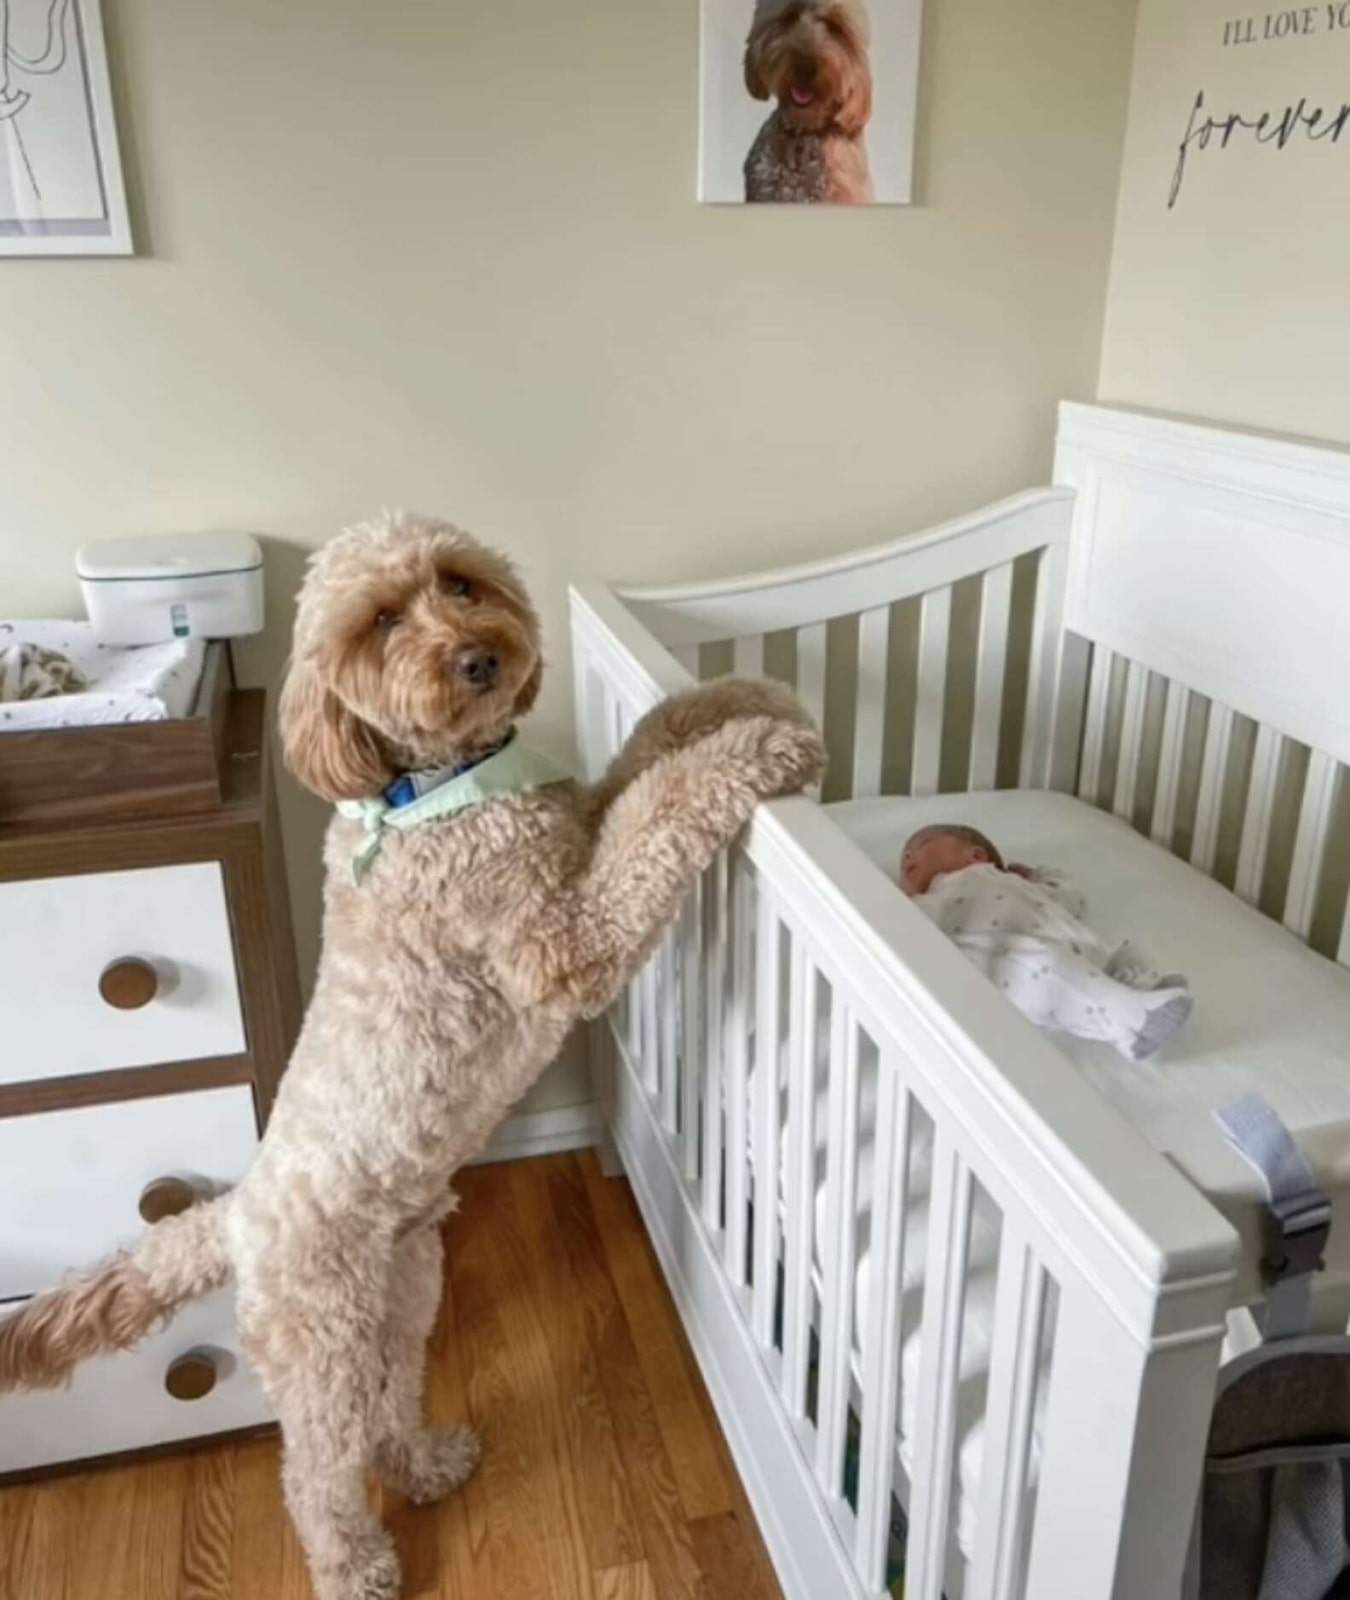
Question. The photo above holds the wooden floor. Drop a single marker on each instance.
(604, 1476)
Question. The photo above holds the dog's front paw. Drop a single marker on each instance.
(433, 1464)
(698, 712)
(369, 1572)
(771, 756)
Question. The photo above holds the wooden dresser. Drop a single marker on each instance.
(148, 1005)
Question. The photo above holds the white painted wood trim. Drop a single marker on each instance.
(792, 597)
(541, 1133)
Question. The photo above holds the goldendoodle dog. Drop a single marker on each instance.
(811, 57)
(462, 938)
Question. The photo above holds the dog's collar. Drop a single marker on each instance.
(410, 786)
(512, 768)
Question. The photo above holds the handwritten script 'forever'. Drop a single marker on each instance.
(1316, 123)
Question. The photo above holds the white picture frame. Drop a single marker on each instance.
(61, 188)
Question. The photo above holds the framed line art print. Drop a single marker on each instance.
(61, 190)
(808, 101)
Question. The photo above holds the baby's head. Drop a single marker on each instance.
(943, 847)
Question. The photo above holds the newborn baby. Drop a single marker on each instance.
(1021, 928)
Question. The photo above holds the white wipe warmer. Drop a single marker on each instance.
(172, 586)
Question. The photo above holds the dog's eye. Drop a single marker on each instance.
(385, 621)
(459, 587)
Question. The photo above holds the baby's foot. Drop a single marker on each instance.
(1162, 1021)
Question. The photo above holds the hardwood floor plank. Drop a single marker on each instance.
(682, 1408)
(652, 1486)
(550, 1196)
(535, 1539)
(208, 1525)
(101, 1558)
(733, 1561)
(631, 1582)
(34, 1541)
(156, 1528)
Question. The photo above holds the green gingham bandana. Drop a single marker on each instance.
(514, 769)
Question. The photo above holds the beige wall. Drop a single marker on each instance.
(447, 256)
(1232, 305)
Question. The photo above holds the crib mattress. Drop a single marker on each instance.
(144, 683)
(1270, 1014)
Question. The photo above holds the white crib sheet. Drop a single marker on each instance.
(142, 683)
(1269, 1015)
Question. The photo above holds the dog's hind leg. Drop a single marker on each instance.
(314, 1341)
(423, 1463)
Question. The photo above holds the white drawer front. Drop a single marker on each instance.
(120, 1402)
(70, 1181)
(57, 935)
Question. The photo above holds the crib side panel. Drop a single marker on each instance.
(921, 1271)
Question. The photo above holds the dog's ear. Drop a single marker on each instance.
(855, 108)
(327, 747)
(756, 83)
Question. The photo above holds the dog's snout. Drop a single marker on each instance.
(478, 667)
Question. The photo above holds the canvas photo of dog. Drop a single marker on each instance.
(808, 101)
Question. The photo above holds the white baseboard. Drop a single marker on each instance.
(540, 1133)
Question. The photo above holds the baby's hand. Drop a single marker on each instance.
(1021, 869)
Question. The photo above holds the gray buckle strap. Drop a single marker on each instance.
(1298, 1214)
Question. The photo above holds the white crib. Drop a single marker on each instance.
(807, 1076)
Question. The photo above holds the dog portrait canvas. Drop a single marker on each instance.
(808, 101)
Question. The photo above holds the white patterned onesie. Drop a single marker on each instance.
(1026, 936)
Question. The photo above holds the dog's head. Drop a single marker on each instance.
(415, 646)
(811, 57)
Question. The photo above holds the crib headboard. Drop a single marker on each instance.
(1207, 670)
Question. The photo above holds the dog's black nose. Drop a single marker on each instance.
(478, 667)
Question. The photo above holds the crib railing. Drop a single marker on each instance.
(930, 662)
(802, 1031)
(1262, 812)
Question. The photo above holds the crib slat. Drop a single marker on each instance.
(811, 645)
(995, 601)
(811, 670)
(1213, 771)
(1169, 764)
(691, 1019)
(799, 1198)
(930, 689)
(1043, 672)
(836, 1337)
(747, 656)
(1310, 843)
(1019, 1322)
(1251, 866)
(649, 1036)
(737, 1046)
(869, 718)
(881, 1336)
(1094, 726)
(767, 1114)
(939, 1368)
(714, 1013)
(1131, 741)
(669, 999)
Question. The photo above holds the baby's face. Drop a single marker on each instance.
(935, 854)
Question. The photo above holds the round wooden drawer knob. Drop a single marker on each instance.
(191, 1377)
(166, 1197)
(129, 983)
